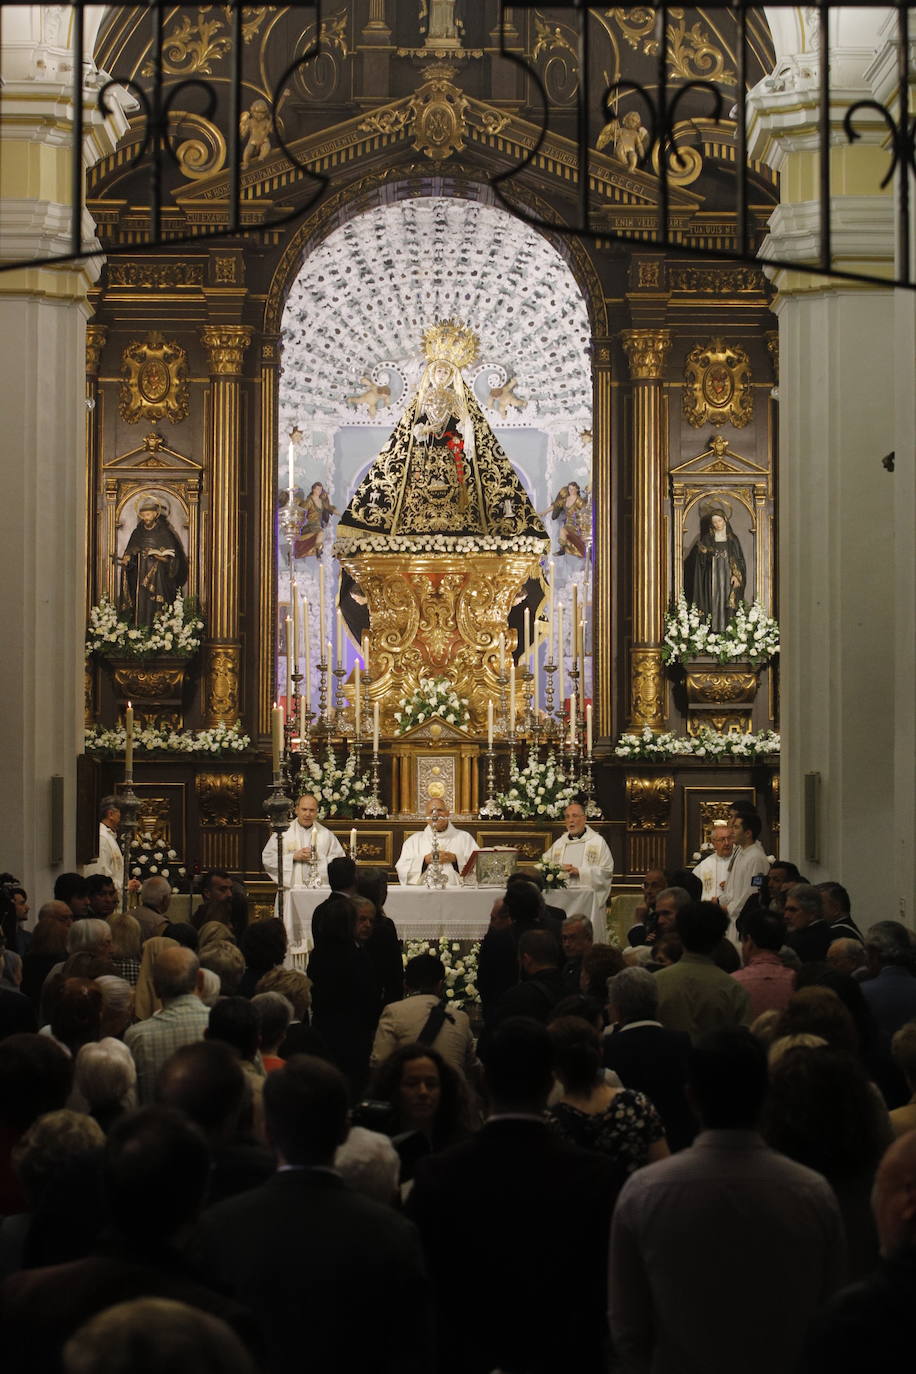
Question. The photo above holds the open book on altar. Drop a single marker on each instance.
(491, 866)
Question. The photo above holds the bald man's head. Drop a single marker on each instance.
(175, 973)
(894, 1196)
(57, 911)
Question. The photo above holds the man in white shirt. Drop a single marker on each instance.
(713, 870)
(110, 860)
(583, 855)
(455, 848)
(304, 835)
(747, 868)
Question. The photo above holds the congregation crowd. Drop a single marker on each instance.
(695, 1154)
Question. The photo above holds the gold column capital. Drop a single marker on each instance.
(95, 342)
(223, 672)
(226, 345)
(647, 352)
(647, 689)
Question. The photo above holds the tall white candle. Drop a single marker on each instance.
(561, 695)
(291, 463)
(353, 842)
(572, 717)
(574, 647)
(289, 661)
(502, 653)
(490, 724)
(527, 632)
(588, 727)
(276, 722)
(295, 613)
(129, 741)
(339, 638)
(366, 655)
(550, 593)
(512, 696)
(307, 680)
(357, 702)
(321, 635)
(301, 716)
(375, 727)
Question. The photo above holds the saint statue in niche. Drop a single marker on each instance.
(154, 565)
(442, 471)
(715, 571)
(572, 507)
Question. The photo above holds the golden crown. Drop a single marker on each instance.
(452, 343)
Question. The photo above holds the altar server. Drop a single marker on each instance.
(583, 855)
(303, 835)
(455, 848)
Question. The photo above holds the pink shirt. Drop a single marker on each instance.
(767, 982)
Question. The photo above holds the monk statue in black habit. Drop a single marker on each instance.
(154, 565)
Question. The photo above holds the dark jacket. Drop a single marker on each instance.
(653, 1060)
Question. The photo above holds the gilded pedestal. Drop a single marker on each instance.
(436, 615)
(720, 695)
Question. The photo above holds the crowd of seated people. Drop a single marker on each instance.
(272, 1168)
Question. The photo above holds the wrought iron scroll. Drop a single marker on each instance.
(661, 120)
(161, 126)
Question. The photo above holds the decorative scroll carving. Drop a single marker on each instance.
(154, 380)
(710, 813)
(650, 274)
(219, 798)
(154, 822)
(95, 342)
(150, 276)
(647, 689)
(647, 352)
(726, 722)
(728, 683)
(772, 338)
(716, 281)
(223, 684)
(717, 385)
(225, 345)
(649, 802)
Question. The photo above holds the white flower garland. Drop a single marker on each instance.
(460, 969)
(435, 696)
(540, 788)
(347, 545)
(176, 631)
(751, 636)
(221, 739)
(708, 743)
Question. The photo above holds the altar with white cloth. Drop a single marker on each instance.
(424, 913)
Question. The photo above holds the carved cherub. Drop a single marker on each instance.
(375, 397)
(255, 123)
(503, 398)
(629, 138)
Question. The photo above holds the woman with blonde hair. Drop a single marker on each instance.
(146, 1003)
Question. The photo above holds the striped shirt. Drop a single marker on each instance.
(152, 1042)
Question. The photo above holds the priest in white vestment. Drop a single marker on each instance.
(110, 859)
(713, 870)
(303, 835)
(455, 848)
(583, 855)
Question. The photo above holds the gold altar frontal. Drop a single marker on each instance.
(438, 615)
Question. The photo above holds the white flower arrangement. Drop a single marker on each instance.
(347, 545)
(338, 789)
(175, 631)
(220, 739)
(751, 636)
(540, 788)
(460, 968)
(707, 743)
(553, 875)
(435, 696)
(150, 859)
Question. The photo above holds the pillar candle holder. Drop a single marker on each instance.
(339, 726)
(375, 808)
(322, 723)
(491, 810)
(435, 873)
(277, 806)
(129, 806)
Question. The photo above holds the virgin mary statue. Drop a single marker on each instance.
(442, 472)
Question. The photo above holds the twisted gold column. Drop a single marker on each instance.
(647, 353)
(225, 345)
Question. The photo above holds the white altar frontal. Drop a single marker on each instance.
(424, 913)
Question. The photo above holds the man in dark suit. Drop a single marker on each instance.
(645, 1056)
(541, 983)
(337, 1280)
(155, 1176)
(515, 1226)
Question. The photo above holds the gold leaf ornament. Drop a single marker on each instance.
(452, 342)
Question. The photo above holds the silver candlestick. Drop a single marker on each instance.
(491, 809)
(435, 873)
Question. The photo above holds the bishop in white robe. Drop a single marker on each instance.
(455, 849)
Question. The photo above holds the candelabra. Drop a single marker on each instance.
(322, 721)
(435, 873)
(277, 807)
(491, 809)
(129, 806)
(375, 808)
(592, 810)
(338, 717)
